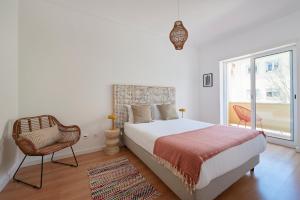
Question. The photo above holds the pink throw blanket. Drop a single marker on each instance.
(184, 153)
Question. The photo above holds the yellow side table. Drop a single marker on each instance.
(112, 141)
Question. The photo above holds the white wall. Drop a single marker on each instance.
(277, 33)
(8, 83)
(69, 60)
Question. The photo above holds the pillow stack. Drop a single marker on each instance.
(148, 113)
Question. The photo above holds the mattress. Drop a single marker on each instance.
(145, 134)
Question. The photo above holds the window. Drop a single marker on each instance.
(271, 66)
(272, 93)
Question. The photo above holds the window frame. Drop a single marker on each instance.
(293, 103)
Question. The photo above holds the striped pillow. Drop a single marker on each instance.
(43, 137)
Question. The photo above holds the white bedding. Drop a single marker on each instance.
(145, 135)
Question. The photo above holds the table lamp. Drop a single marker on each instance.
(182, 110)
(113, 117)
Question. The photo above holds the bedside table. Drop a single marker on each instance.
(112, 141)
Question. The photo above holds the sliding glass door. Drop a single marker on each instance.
(258, 93)
(274, 94)
(238, 91)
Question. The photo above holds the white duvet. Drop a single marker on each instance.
(145, 135)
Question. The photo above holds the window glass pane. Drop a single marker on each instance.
(239, 93)
(273, 80)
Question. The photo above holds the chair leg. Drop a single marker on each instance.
(41, 178)
(71, 165)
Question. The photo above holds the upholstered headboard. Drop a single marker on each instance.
(134, 94)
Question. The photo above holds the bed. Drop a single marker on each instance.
(217, 173)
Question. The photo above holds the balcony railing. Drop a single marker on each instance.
(275, 117)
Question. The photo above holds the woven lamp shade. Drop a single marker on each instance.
(178, 35)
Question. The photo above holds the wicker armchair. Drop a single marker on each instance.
(27, 147)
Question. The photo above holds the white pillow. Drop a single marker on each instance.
(155, 112)
(129, 113)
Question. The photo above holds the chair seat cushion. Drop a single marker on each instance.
(43, 137)
(53, 148)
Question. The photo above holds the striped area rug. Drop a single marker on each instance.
(118, 179)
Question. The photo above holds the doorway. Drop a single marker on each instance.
(258, 92)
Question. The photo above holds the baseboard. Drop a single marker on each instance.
(65, 154)
(4, 179)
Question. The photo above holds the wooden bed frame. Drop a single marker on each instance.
(132, 94)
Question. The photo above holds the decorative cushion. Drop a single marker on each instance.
(141, 113)
(155, 112)
(167, 111)
(43, 137)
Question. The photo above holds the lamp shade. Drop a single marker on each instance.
(178, 35)
(182, 110)
(112, 117)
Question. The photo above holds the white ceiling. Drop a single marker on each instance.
(206, 20)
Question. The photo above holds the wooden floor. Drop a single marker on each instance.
(276, 177)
